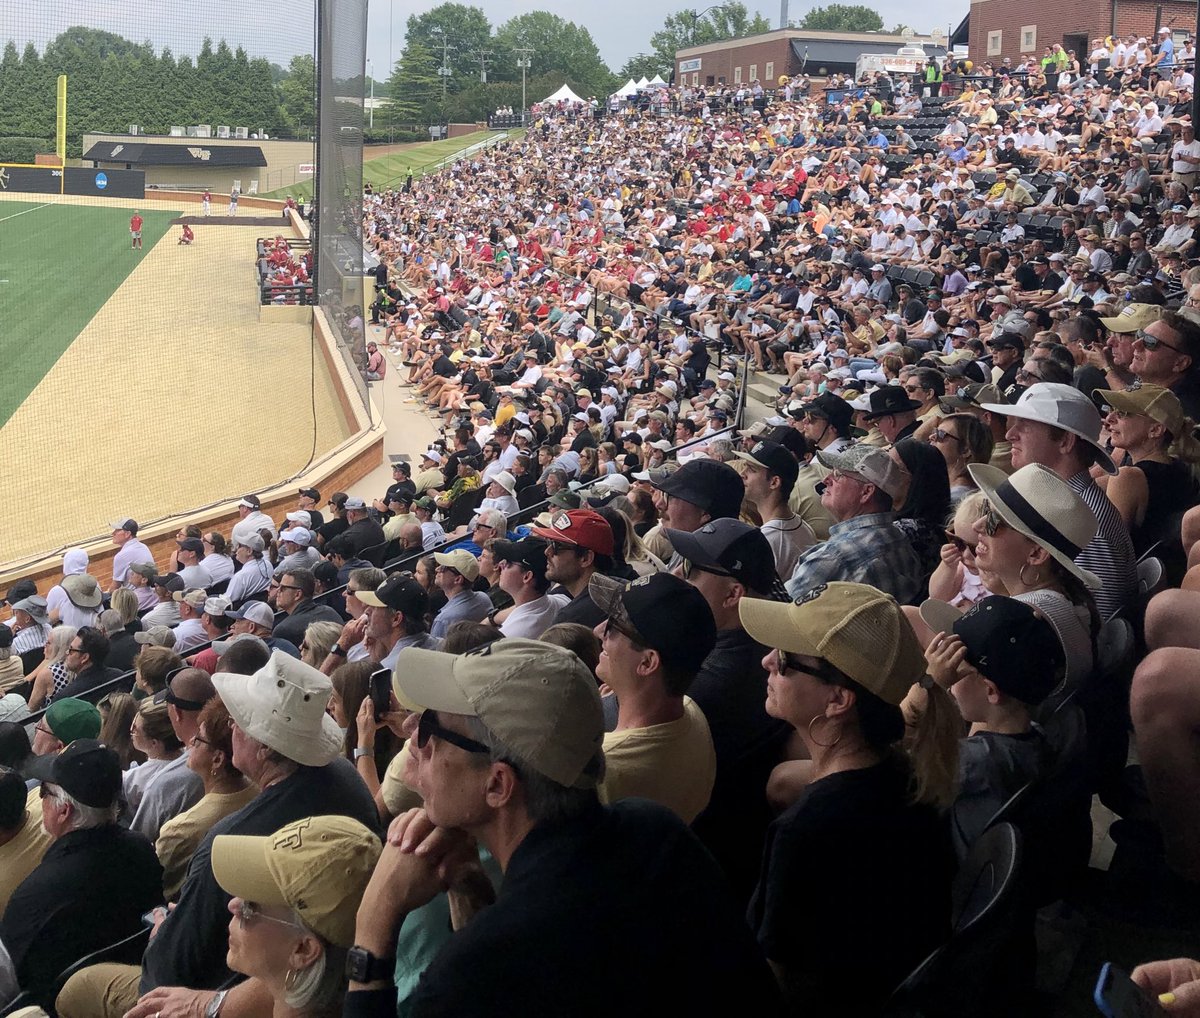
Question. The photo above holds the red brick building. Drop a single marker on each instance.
(1023, 28)
(767, 56)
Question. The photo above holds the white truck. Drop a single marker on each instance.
(906, 60)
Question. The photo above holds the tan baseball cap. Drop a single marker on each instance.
(195, 597)
(1133, 317)
(1153, 401)
(858, 629)
(872, 464)
(539, 700)
(461, 560)
(318, 867)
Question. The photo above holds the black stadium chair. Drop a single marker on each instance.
(970, 973)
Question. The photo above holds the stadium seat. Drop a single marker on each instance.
(971, 972)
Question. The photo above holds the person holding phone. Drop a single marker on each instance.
(1175, 982)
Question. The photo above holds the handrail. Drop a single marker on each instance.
(124, 681)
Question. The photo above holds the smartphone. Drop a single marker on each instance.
(1118, 996)
(381, 691)
(151, 917)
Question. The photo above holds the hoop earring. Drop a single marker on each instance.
(817, 742)
(289, 980)
(1037, 576)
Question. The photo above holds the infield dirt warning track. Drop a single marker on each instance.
(173, 395)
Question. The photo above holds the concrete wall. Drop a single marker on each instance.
(1057, 20)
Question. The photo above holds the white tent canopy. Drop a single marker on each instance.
(643, 83)
(564, 94)
(656, 80)
(626, 90)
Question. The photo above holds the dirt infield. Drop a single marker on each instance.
(174, 396)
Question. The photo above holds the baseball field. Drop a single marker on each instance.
(141, 382)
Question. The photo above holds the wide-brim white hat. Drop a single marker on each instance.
(1039, 504)
(282, 705)
(1060, 406)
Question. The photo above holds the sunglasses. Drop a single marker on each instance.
(958, 542)
(248, 911)
(1153, 342)
(941, 435)
(992, 520)
(428, 724)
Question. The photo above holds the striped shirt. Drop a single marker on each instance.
(1110, 555)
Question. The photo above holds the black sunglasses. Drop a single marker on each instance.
(428, 724)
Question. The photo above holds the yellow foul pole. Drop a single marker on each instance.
(61, 133)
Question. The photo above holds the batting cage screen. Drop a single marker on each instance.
(173, 200)
(341, 50)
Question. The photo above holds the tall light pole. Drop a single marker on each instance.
(697, 17)
(444, 70)
(371, 109)
(524, 63)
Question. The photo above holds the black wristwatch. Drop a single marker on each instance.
(364, 967)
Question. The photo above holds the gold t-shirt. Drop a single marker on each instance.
(20, 856)
(179, 837)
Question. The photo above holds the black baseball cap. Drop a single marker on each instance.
(191, 544)
(830, 406)
(169, 581)
(667, 613)
(529, 552)
(733, 548)
(401, 592)
(87, 770)
(312, 493)
(19, 591)
(773, 457)
(1007, 641)
(1013, 340)
(889, 399)
(713, 487)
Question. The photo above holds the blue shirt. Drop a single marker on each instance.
(1167, 49)
(863, 549)
(472, 605)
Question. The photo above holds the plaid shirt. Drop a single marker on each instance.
(863, 549)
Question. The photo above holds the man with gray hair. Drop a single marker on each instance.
(297, 549)
(190, 631)
(95, 881)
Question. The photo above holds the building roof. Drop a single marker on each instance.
(864, 42)
(838, 51)
(199, 153)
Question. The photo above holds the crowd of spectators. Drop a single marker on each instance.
(738, 707)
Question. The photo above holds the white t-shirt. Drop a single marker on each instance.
(533, 618)
(788, 539)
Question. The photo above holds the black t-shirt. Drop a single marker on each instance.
(862, 933)
(444, 367)
(334, 528)
(699, 359)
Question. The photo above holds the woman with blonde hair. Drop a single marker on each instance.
(125, 601)
(843, 660)
(1161, 483)
(116, 713)
(319, 638)
(153, 734)
(52, 674)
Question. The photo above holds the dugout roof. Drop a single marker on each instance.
(198, 153)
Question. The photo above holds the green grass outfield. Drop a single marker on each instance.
(58, 265)
(390, 170)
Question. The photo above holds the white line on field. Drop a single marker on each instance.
(21, 213)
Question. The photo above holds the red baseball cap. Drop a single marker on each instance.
(581, 527)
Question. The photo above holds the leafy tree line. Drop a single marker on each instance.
(113, 82)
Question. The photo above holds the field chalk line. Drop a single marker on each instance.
(23, 211)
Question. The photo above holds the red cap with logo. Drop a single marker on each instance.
(581, 527)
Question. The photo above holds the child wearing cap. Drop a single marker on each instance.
(999, 660)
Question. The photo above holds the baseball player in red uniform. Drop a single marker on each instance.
(135, 230)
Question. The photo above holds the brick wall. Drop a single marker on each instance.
(723, 62)
(1057, 20)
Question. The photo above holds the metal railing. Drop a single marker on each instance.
(124, 681)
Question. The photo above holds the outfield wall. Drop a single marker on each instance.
(73, 180)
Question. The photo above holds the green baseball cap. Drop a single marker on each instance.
(72, 719)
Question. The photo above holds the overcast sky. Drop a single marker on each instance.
(621, 28)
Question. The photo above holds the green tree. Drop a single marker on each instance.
(465, 31)
(557, 45)
(842, 18)
(683, 29)
(298, 91)
(415, 90)
(644, 65)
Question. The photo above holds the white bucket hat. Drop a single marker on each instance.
(1039, 504)
(506, 481)
(1060, 406)
(282, 705)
